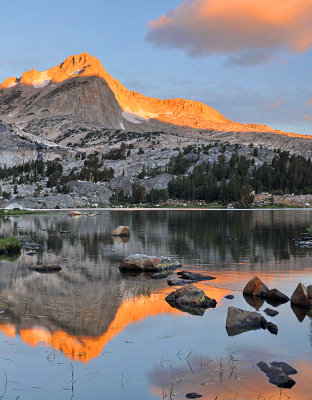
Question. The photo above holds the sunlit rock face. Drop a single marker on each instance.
(80, 88)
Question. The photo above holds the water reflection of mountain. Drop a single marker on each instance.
(81, 308)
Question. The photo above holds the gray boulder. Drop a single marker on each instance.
(239, 321)
(190, 299)
(144, 263)
(274, 296)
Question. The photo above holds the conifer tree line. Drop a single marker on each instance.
(237, 179)
(226, 180)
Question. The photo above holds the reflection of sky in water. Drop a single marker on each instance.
(125, 349)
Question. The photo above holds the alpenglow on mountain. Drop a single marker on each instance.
(80, 92)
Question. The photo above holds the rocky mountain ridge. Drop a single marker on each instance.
(78, 96)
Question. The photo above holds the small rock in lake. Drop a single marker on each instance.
(194, 276)
(193, 396)
(229, 297)
(121, 231)
(45, 268)
(276, 295)
(189, 298)
(74, 213)
(31, 253)
(255, 287)
(239, 321)
(278, 374)
(300, 296)
(270, 312)
(144, 263)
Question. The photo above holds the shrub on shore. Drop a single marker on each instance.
(10, 246)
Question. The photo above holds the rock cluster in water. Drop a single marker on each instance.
(278, 373)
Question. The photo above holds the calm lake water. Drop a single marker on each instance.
(87, 332)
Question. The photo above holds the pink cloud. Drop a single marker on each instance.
(248, 31)
(274, 104)
(308, 118)
(309, 103)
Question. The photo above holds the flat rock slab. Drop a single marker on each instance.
(194, 276)
(189, 298)
(160, 275)
(270, 312)
(144, 263)
(178, 282)
(45, 268)
(277, 374)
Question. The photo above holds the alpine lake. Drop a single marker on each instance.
(92, 332)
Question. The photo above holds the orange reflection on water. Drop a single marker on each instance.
(85, 348)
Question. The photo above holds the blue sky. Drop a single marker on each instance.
(274, 91)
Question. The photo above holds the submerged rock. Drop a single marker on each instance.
(121, 231)
(189, 298)
(278, 374)
(300, 297)
(275, 295)
(229, 297)
(194, 276)
(255, 287)
(45, 268)
(160, 275)
(240, 321)
(270, 312)
(144, 263)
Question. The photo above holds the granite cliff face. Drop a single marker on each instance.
(68, 101)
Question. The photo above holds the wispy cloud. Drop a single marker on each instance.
(309, 103)
(247, 31)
